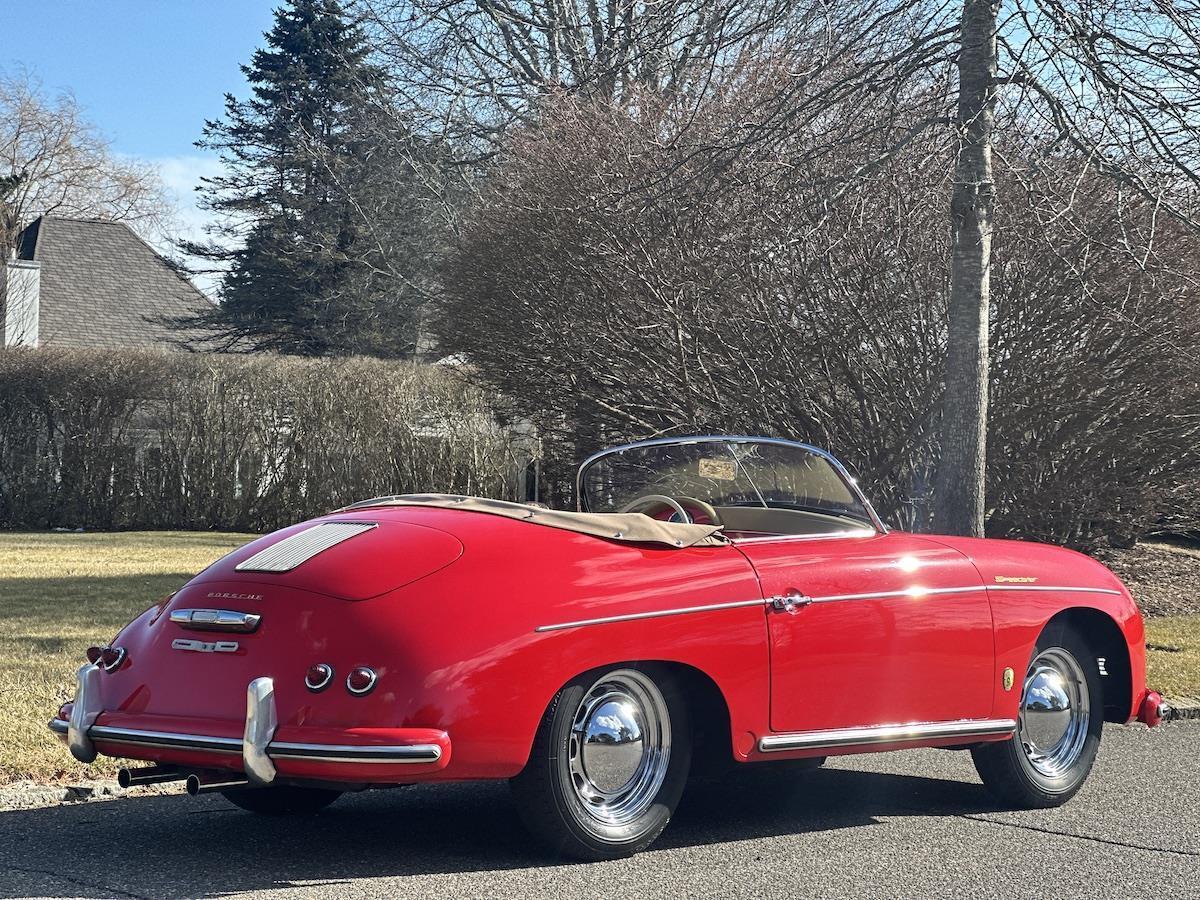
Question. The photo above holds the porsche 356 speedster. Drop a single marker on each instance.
(727, 599)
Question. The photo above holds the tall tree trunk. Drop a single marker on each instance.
(959, 487)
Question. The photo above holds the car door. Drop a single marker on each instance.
(882, 630)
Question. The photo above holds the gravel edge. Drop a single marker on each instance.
(36, 795)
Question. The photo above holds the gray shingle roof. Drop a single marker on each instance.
(103, 287)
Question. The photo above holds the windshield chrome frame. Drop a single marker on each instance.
(846, 477)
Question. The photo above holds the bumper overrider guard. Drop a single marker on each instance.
(257, 748)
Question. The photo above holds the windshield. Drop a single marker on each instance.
(723, 473)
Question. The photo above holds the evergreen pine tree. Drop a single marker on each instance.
(305, 270)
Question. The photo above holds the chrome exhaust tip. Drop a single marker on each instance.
(128, 778)
(1155, 710)
(197, 785)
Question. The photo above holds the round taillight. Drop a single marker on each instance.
(361, 680)
(111, 658)
(93, 654)
(318, 676)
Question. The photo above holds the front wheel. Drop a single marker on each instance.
(282, 799)
(1058, 728)
(608, 764)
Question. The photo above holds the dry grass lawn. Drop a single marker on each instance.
(1173, 657)
(61, 593)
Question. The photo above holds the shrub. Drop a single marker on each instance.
(150, 440)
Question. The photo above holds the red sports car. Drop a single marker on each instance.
(727, 600)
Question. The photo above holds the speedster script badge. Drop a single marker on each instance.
(204, 646)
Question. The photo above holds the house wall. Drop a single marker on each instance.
(21, 303)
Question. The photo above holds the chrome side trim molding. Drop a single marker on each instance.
(216, 620)
(407, 753)
(1052, 587)
(915, 592)
(824, 536)
(656, 614)
(885, 734)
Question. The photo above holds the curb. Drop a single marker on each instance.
(31, 794)
(1182, 708)
(34, 795)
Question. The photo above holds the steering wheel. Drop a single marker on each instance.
(651, 503)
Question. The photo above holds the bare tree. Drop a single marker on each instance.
(471, 68)
(52, 160)
(609, 305)
(961, 470)
(1089, 87)
(1111, 84)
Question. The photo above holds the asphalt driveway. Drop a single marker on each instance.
(910, 824)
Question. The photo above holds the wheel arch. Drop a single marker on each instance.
(708, 706)
(1108, 644)
(712, 737)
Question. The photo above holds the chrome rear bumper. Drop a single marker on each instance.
(258, 749)
(344, 753)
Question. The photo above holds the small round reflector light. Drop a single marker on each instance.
(361, 680)
(318, 676)
(111, 658)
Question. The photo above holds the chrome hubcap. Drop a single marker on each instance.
(1055, 711)
(620, 747)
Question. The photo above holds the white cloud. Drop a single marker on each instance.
(180, 176)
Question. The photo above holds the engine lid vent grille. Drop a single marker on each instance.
(303, 546)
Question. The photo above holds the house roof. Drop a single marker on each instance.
(103, 287)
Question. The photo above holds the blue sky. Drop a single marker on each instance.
(146, 73)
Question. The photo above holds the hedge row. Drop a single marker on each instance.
(150, 440)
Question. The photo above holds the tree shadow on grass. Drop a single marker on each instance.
(184, 847)
(112, 600)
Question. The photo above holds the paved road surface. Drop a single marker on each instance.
(911, 824)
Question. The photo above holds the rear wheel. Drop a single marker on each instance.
(1058, 728)
(608, 764)
(282, 799)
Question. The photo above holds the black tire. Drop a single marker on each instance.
(282, 800)
(550, 791)
(1015, 771)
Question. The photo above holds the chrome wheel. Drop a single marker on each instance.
(1055, 713)
(619, 749)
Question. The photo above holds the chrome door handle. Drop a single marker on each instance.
(790, 602)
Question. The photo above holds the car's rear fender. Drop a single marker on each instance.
(463, 650)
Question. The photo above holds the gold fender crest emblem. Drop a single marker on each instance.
(1009, 677)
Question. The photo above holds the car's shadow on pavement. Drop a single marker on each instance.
(177, 846)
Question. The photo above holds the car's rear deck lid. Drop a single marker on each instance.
(353, 558)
